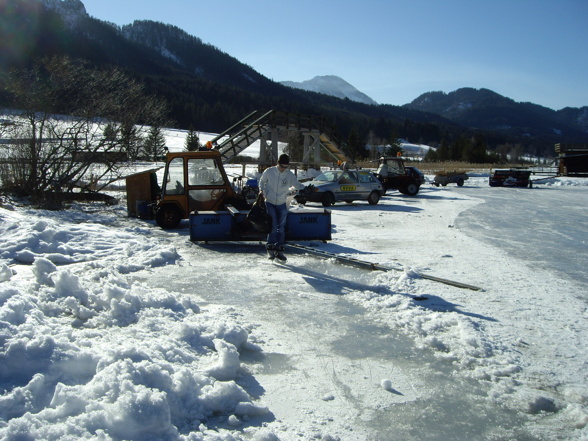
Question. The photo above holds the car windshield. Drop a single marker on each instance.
(328, 176)
(365, 178)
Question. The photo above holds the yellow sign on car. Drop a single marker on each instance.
(348, 188)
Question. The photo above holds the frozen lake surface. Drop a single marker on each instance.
(547, 227)
(337, 352)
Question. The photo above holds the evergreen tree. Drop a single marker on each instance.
(295, 145)
(355, 146)
(130, 139)
(154, 146)
(431, 156)
(443, 153)
(395, 145)
(192, 143)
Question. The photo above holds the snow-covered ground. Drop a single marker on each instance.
(112, 329)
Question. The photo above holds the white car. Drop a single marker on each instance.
(342, 185)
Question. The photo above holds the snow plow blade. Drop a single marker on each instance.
(232, 225)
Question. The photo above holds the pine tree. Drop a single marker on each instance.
(192, 143)
(395, 146)
(355, 146)
(154, 146)
(130, 139)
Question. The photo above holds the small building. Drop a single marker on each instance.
(142, 190)
(573, 159)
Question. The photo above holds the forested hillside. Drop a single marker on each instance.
(209, 90)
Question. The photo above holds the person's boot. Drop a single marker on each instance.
(271, 251)
(280, 254)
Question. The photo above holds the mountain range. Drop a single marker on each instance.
(209, 90)
(331, 85)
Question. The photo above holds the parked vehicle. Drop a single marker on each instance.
(342, 185)
(395, 176)
(193, 181)
(453, 177)
(513, 177)
(416, 173)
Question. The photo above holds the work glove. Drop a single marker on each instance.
(307, 190)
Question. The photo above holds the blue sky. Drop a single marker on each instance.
(392, 50)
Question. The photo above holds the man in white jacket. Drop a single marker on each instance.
(275, 183)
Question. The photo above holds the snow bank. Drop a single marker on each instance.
(84, 354)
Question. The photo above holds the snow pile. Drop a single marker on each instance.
(26, 239)
(84, 354)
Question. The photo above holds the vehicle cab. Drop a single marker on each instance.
(193, 181)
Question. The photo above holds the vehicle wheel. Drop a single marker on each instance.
(328, 199)
(460, 182)
(349, 201)
(411, 189)
(373, 198)
(168, 217)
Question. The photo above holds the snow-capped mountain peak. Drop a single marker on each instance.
(331, 85)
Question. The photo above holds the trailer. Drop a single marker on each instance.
(512, 177)
(450, 177)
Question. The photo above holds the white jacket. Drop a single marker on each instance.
(275, 185)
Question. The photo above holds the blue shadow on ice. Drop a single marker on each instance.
(436, 303)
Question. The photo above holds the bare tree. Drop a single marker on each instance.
(49, 153)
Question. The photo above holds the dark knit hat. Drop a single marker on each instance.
(284, 159)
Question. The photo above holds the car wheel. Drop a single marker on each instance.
(460, 182)
(373, 198)
(349, 201)
(328, 199)
(168, 217)
(411, 189)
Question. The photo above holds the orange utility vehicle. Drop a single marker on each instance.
(192, 181)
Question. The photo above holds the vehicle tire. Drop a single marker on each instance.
(373, 198)
(328, 199)
(411, 189)
(168, 217)
(460, 182)
(348, 201)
